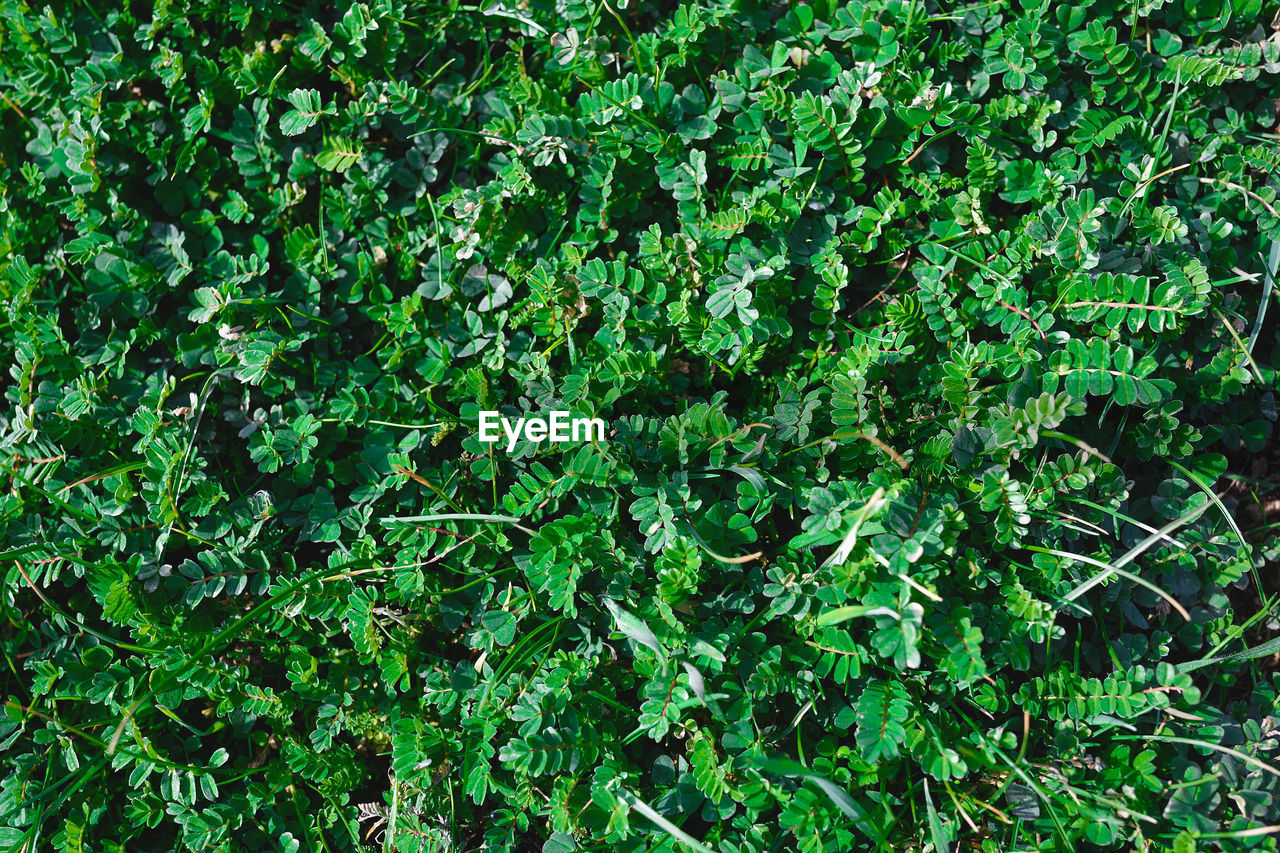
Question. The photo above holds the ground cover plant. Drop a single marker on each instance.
(937, 346)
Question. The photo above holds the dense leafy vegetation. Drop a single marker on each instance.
(937, 344)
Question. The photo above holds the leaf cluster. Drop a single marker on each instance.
(937, 347)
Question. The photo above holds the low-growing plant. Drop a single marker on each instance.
(937, 347)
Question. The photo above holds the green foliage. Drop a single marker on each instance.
(937, 353)
(883, 707)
